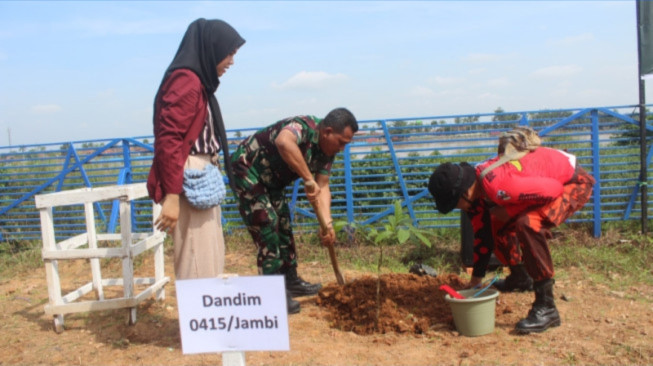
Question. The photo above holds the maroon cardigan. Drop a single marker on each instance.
(180, 112)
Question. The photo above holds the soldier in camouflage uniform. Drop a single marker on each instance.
(264, 164)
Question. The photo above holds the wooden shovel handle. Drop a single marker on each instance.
(334, 263)
(310, 188)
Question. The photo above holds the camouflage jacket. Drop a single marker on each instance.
(259, 154)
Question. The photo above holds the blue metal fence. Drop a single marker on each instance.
(388, 160)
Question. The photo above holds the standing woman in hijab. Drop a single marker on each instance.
(188, 134)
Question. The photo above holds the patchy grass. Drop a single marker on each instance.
(617, 259)
(621, 257)
(19, 257)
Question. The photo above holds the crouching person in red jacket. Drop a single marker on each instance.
(512, 206)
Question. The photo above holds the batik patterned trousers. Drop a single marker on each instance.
(524, 237)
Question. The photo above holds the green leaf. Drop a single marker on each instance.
(371, 234)
(398, 210)
(422, 238)
(403, 235)
(382, 236)
(338, 225)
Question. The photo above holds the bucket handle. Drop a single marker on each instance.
(486, 287)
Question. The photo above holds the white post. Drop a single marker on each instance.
(159, 254)
(91, 233)
(234, 358)
(51, 267)
(128, 259)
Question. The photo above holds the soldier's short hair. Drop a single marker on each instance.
(339, 119)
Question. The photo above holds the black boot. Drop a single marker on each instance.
(297, 286)
(517, 280)
(543, 314)
(293, 305)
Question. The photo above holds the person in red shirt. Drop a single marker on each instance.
(514, 206)
(188, 134)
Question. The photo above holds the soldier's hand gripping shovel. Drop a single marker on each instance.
(310, 188)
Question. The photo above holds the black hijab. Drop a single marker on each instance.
(205, 44)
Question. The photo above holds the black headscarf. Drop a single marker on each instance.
(205, 44)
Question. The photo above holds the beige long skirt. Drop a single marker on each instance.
(198, 239)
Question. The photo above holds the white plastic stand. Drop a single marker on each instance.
(86, 246)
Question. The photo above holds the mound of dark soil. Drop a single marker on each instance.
(409, 303)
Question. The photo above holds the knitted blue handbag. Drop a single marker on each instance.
(204, 188)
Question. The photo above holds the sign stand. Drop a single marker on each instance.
(233, 358)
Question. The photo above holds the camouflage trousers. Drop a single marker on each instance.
(267, 217)
(524, 238)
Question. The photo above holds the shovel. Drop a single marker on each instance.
(482, 290)
(310, 188)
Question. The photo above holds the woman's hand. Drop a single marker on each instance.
(167, 220)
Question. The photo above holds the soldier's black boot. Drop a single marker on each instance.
(292, 304)
(297, 286)
(517, 280)
(543, 315)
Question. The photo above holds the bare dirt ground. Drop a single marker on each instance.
(599, 326)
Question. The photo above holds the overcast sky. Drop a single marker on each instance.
(84, 70)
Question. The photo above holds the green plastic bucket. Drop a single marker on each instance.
(474, 316)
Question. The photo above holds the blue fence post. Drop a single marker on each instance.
(127, 167)
(66, 162)
(124, 177)
(80, 165)
(82, 171)
(395, 161)
(127, 161)
(349, 192)
(596, 171)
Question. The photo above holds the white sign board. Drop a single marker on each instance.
(233, 314)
